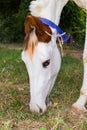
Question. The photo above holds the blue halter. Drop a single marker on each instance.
(65, 37)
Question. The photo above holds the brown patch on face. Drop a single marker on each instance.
(40, 28)
(35, 31)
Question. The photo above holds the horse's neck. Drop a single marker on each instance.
(59, 7)
(50, 9)
(44, 8)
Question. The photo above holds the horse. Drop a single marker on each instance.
(41, 55)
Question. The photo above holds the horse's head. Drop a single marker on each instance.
(42, 61)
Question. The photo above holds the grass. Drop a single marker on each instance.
(14, 95)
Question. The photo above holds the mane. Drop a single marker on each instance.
(35, 32)
(36, 6)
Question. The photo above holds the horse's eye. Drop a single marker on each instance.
(46, 63)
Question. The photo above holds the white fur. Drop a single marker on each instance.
(50, 9)
(42, 79)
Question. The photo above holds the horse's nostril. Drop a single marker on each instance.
(40, 111)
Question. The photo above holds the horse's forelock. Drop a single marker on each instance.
(35, 32)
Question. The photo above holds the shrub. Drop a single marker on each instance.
(12, 25)
(12, 22)
(73, 21)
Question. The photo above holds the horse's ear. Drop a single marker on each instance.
(30, 32)
(27, 24)
(31, 39)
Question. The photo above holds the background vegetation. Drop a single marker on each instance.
(13, 13)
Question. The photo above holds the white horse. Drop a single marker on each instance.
(41, 55)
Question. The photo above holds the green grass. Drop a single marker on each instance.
(14, 95)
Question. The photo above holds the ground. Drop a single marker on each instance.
(14, 94)
(74, 53)
(77, 53)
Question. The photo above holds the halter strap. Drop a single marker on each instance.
(48, 22)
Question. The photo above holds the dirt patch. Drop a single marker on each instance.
(30, 125)
(74, 53)
(13, 46)
(21, 125)
(77, 53)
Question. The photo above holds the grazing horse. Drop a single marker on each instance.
(41, 55)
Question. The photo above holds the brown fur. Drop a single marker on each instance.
(35, 31)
